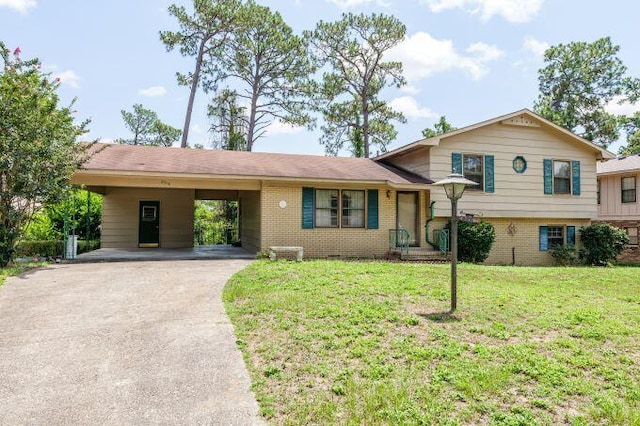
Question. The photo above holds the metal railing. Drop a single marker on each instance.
(444, 241)
(399, 240)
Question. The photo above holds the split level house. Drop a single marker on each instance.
(536, 185)
(617, 197)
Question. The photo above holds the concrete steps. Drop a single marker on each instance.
(416, 254)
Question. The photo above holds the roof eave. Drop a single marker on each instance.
(135, 173)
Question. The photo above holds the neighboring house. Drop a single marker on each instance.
(537, 187)
(618, 195)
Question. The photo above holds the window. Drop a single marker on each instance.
(473, 170)
(352, 209)
(561, 177)
(335, 208)
(633, 236)
(327, 208)
(629, 189)
(555, 236)
(598, 190)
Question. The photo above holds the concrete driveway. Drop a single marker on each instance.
(122, 343)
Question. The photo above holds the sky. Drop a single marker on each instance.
(469, 60)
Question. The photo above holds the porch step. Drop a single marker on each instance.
(424, 255)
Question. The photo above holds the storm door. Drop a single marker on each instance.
(149, 228)
(407, 215)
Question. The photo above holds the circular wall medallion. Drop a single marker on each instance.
(519, 164)
(282, 204)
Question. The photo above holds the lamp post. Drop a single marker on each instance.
(454, 186)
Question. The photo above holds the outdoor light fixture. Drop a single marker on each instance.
(454, 186)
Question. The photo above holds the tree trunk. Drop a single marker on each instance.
(252, 120)
(365, 131)
(192, 95)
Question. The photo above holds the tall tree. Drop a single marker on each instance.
(147, 129)
(576, 84)
(202, 35)
(270, 66)
(228, 122)
(632, 128)
(352, 51)
(38, 149)
(440, 128)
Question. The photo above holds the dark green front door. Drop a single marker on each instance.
(149, 229)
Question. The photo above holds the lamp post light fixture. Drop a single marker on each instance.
(454, 186)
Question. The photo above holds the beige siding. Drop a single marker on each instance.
(250, 220)
(611, 207)
(416, 161)
(120, 216)
(516, 195)
(283, 226)
(525, 243)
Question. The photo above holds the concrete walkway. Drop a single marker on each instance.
(194, 253)
(122, 343)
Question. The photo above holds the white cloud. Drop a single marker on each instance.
(348, 4)
(280, 128)
(516, 11)
(422, 56)
(624, 108)
(153, 91)
(410, 89)
(534, 46)
(21, 6)
(68, 78)
(197, 129)
(106, 140)
(410, 108)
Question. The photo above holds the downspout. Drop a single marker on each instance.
(426, 228)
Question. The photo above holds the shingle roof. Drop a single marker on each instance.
(620, 164)
(129, 158)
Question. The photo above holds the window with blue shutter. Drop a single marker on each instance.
(544, 238)
(488, 174)
(308, 207)
(456, 162)
(575, 177)
(548, 176)
(571, 235)
(372, 209)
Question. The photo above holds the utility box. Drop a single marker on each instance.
(71, 251)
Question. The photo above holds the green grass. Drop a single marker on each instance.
(17, 269)
(331, 342)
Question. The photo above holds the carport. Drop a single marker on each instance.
(148, 203)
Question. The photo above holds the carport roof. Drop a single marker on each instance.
(125, 159)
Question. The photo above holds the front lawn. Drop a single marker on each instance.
(18, 269)
(366, 343)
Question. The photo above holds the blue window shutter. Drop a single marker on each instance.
(548, 176)
(575, 177)
(456, 163)
(571, 235)
(488, 173)
(544, 238)
(372, 209)
(307, 208)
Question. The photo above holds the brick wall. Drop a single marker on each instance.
(283, 226)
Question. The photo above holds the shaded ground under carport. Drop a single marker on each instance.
(132, 343)
(142, 254)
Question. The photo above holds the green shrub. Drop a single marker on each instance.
(475, 241)
(565, 255)
(602, 243)
(85, 246)
(54, 248)
(41, 228)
